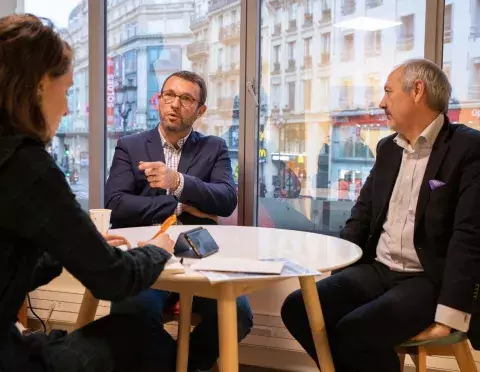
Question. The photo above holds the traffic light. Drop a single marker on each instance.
(67, 149)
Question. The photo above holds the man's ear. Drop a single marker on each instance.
(201, 111)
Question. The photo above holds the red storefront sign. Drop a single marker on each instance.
(458, 115)
(362, 119)
(110, 92)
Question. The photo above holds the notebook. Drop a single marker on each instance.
(239, 265)
(172, 266)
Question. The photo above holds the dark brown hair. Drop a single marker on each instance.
(193, 78)
(30, 49)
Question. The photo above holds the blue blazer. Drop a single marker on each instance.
(206, 168)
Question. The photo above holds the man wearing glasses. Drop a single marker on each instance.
(173, 169)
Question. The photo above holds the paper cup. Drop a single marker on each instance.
(101, 219)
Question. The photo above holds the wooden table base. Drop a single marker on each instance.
(317, 323)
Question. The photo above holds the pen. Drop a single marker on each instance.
(165, 225)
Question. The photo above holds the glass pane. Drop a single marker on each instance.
(148, 42)
(458, 33)
(323, 67)
(70, 146)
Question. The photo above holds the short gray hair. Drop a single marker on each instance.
(437, 86)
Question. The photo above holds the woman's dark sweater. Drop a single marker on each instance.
(42, 230)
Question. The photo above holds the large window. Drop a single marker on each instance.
(148, 42)
(320, 134)
(463, 68)
(323, 66)
(70, 146)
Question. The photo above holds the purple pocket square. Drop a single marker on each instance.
(435, 184)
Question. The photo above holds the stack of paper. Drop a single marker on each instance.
(239, 265)
(173, 266)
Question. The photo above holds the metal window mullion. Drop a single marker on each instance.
(434, 30)
(97, 105)
(248, 120)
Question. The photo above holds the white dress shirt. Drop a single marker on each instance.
(172, 160)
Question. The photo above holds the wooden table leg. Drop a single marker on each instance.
(227, 328)
(317, 323)
(22, 314)
(183, 338)
(88, 309)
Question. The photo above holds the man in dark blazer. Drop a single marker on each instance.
(150, 179)
(175, 170)
(417, 220)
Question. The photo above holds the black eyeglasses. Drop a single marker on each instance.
(186, 100)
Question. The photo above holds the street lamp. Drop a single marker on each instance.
(124, 101)
(278, 121)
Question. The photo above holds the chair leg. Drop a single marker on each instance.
(402, 361)
(22, 314)
(464, 357)
(422, 360)
(88, 310)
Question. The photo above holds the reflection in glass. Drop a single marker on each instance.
(323, 65)
(147, 42)
(70, 146)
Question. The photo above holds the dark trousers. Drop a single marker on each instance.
(368, 310)
(115, 343)
(204, 349)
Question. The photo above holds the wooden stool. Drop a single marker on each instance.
(455, 344)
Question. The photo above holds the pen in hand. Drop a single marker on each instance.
(165, 225)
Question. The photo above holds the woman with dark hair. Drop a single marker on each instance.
(43, 228)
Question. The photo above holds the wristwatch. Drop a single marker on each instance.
(177, 183)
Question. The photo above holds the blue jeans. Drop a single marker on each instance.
(204, 338)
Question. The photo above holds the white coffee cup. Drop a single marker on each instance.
(101, 219)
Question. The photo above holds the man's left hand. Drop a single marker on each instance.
(198, 213)
(159, 175)
(436, 330)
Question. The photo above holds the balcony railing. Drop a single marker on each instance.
(447, 36)
(308, 20)
(292, 25)
(475, 32)
(197, 20)
(307, 62)
(277, 29)
(197, 48)
(325, 59)
(275, 3)
(405, 43)
(373, 3)
(276, 68)
(230, 32)
(474, 92)
(348, 7)
(291, 65)
(218, 4)
(326, 17)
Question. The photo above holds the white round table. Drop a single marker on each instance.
(313, 251)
